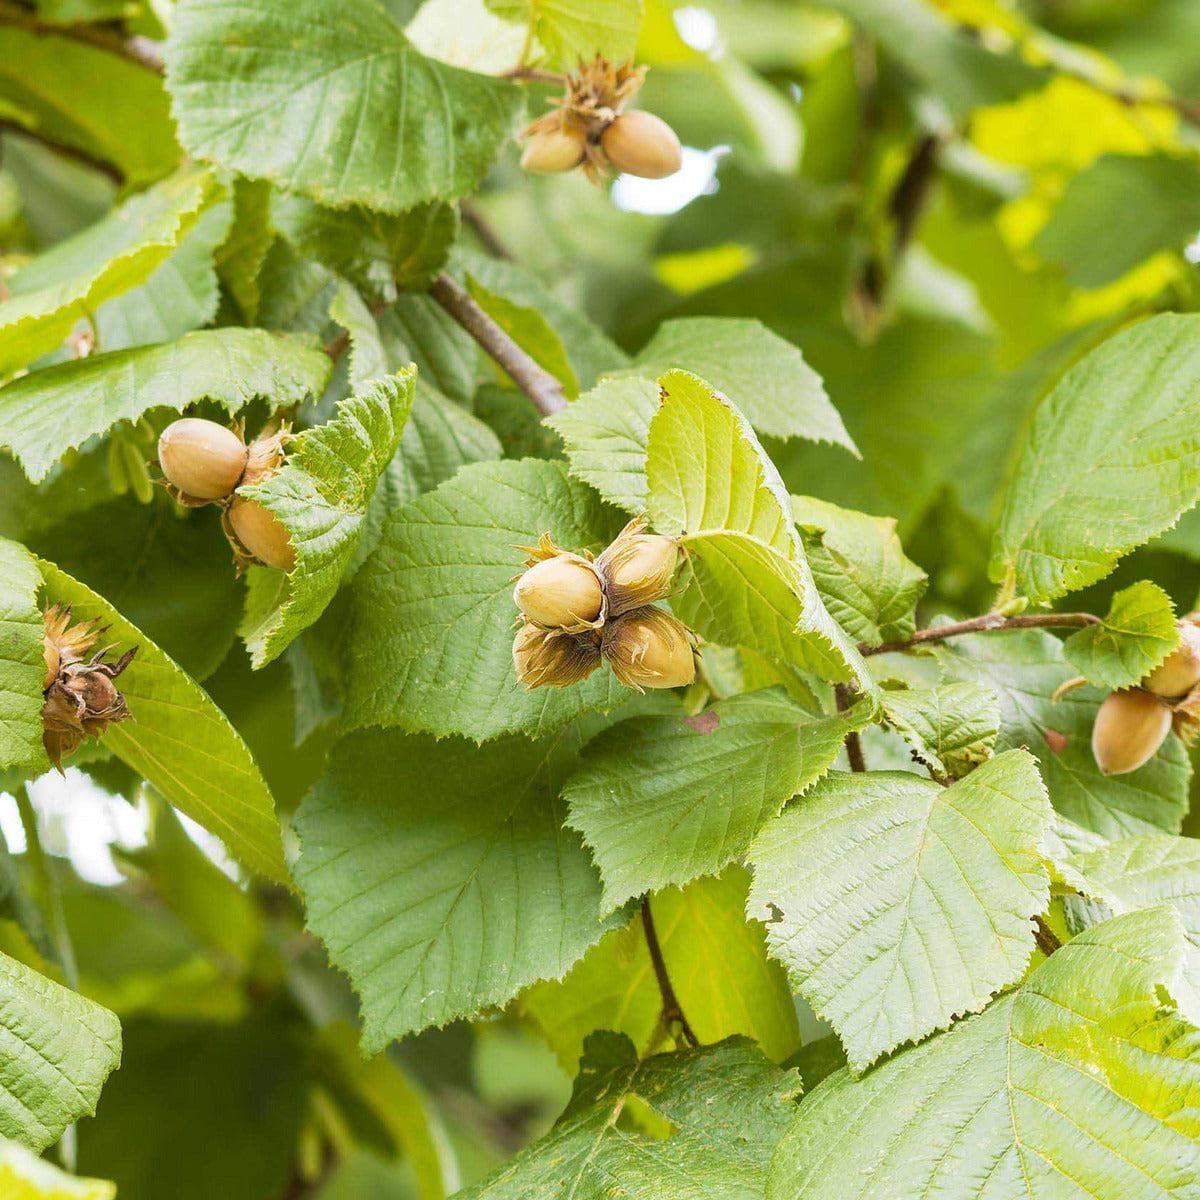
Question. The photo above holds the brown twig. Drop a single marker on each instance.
(109, 170)
(483, 230)
(140, 50)
(911, 193)
(854, 750)
(535, 381)
(671, 1011)
(533, 74)
(984, 624)
(1045, 937)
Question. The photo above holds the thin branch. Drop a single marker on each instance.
(984, 624)
(854, 750)
(107, 169)
(1045, 937)
(672, 1011)
(911, 194)
(533, 74)
(535, 381)
(140, 50)
(484, 231)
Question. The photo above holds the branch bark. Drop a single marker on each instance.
(854, 750)
(672, 1011)
(535, 381)
(140, 50)
(984, 624)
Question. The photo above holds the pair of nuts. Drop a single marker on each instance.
(635, 143)
(578, 613)
(1133, 723)
(205, 463)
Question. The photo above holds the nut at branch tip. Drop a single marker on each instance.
(649, 648)
(1130, 727)
(637, 568)
(1179, 672)
(639, 143)
(562, 592)
(551, 658)
(261, 533)
(201, 459)
(552, 151)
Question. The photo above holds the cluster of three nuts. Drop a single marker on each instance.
(578, 612)
(205, 463)
(1133, 723)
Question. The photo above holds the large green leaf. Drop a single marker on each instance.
(332, 102)
(1119, 211)
(1024, 668)
(717, 962)
(25, 1176)
(46, 413)
(765, 376)
(868, 872)
(432, 637)
(179, 741)
(453, 886)
(1111, 460)
(119, 252)
(58, 1050)
(951, 727)
(660, 800)
(21, 665)
(748, 583)
(725, 1106)
(1138, 632)
(1083, 1082)
(571, 32)
(321, 496)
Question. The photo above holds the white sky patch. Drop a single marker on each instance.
(10, 824)
(210, 844)
(1192, 250)
(658, 197)
(697, 26)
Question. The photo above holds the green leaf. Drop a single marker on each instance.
(739, 990)
(1136, 635)
(1110, 462)
(48, 412)
(571, 32)
(951, 728)
(24, 1176)
(765, 376)
(21, 664)
(869, 585)
(454, 886)
(605, 433)
(1082, 1082)
(321, 496)
(377, 252)
(240, 257)
(661, 800)
(748, 582)
(90, 99)
(117, 253)
(1024, 668)
(59, 1049)
(179, 741)
(432, 647)
(1118, 212)
(868, 871)
(725, 1106)
(352, 114)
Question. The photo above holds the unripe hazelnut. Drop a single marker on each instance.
(639, 143)
(562, 592)
(637, 568)
(649, 648)
(551, 658)
(1130, 726)
(1180, 670)
(202, 459)
(262, 533)
(552, 151)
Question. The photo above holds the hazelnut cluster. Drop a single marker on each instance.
(589, 127)
(577, 612)
(80, 700)
(1133, 723)
(205, 463)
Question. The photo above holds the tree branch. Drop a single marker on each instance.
(109, 170)
(984, 624)
(671, 1007)
(482, 227)
(854, 750)
(535, 381)
(139, 50)
(1045, 937)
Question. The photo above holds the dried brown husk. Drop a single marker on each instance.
(552, 658)
(650, 648)
(637, 568)
(80, 700)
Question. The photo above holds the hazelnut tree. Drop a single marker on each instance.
(623, 688)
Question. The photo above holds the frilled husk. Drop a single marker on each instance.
(637, 568)
(549, 658)
(649, 648)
